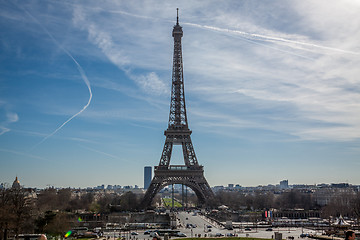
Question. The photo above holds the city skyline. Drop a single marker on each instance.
(283, 184)
(271, 90)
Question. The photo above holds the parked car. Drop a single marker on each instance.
(247, 229)
(154, 234)
(269, 229)
(191, 225)
(219, 235)
(180, 234)
(87, 235)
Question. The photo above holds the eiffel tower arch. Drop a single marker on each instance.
(190, 174)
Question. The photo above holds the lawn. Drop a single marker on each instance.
(168, 203)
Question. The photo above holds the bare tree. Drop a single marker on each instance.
(59, 224)
(356, 206)
(15, 213)
(5, 213)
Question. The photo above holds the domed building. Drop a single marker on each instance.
(16, 184)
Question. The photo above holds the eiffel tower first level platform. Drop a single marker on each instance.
(191, 174)
(192, 177)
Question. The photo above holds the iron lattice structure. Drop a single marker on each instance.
(178, 133)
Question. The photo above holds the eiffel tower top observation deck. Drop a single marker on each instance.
(178, 133)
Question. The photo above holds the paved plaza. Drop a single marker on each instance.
(195, 225)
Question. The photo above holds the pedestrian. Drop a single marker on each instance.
(42, 237)
(349, 235)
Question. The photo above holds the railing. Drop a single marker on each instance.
(179, 168)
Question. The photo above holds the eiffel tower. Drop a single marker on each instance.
(178, 133)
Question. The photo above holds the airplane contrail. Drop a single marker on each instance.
(104, 153)
(277, 49)
(76, 114)
(246, 34)
(270, 38)
(23, 154)
(80, 69)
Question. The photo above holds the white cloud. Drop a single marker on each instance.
(100, 38)
(151, 83)
(8, 117)
(311, 67)
(12, 117)
(317, 85)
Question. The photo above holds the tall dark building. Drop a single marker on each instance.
(284, 184)
(147, 176)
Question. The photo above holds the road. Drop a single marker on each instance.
(193, 225)
(202, 229)
(202, 224)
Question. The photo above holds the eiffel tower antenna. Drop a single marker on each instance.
(177, 16)
(191, 174)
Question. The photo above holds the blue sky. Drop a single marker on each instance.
(271, 87)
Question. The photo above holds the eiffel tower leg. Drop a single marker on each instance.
(200, 187)
(189, 152)
(166, 154)
(153, 189)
